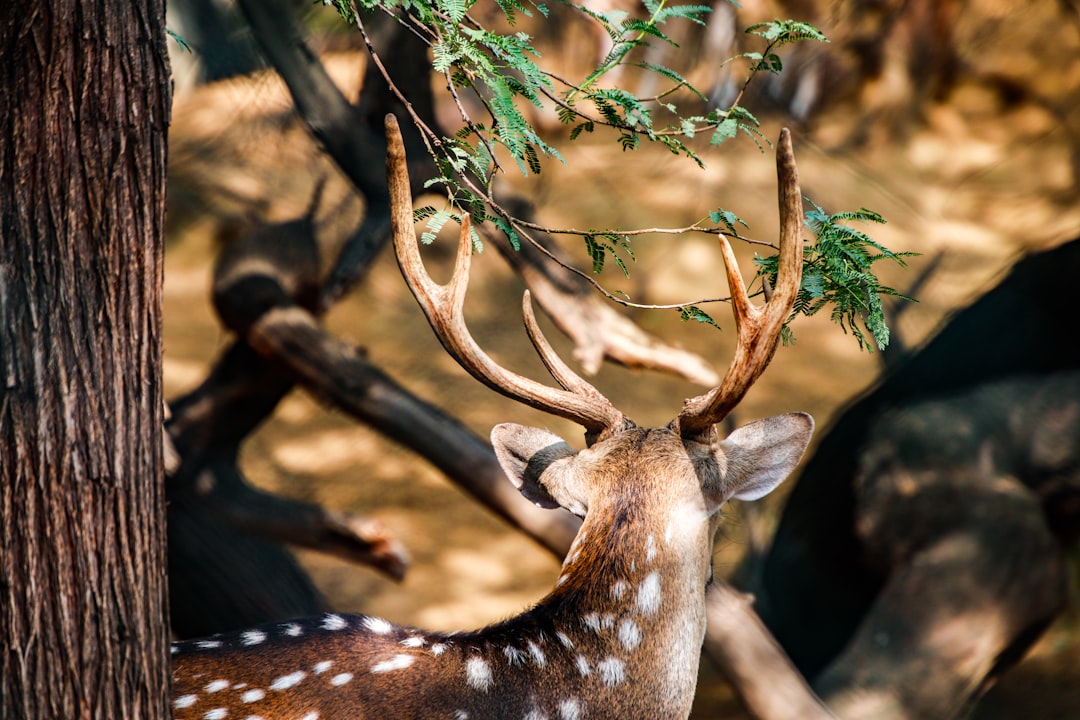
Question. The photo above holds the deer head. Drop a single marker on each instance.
(620, 634)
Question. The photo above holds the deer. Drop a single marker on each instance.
(620, 633)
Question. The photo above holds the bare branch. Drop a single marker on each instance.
(340, 375)
(598, 330)
(355, 538)
(753, 662)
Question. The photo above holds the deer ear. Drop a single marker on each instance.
(541, 465)
(760, 455)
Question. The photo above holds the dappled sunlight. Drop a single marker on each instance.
(978, 183)
(329, 451)
(966, 642)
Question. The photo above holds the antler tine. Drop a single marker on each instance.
(444, 307)
(758, 327)
(427, 292)
(554, 364)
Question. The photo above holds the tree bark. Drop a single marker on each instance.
(82, 200)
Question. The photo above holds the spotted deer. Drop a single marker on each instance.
(620, 634)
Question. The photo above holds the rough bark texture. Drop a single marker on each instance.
(85, 88)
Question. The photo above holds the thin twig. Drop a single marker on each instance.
(432, 141)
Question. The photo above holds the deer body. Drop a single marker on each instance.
(620, 634)
(618, 637)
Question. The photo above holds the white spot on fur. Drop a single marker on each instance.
(208, 644)
(583, 666)
(334, 622)
(311, 716)
(612, 671)
(513, 655)
(252, 637)
(216, 686)
(478, 674)
(185, 701)
(322, 667)
(378, 625)
(414, 641)
(252, 696)
(216, 714)
(629, 634)
(339, 680)
(398, 662)
(537, 654)
(619, 589)
(561, 580)
(287, 681)
(293, 630)
(570, 709)
(438, 649)
(535, 714)
(461, 715)
(650, 548)
(648, 594)
(565, 640)
(173, 649)
(599, 623)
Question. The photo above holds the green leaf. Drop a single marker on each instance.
(784, 32)
(674, 77)
(838, 273)
(693, 13)
(693, 312)
(435, 223)
(507, 230)
(728, 219)
(180, 42)
(726, 130)
(423, 213)
(453, 9)
(770, 62)
(596, 253)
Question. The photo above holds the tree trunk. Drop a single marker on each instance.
(85, 88)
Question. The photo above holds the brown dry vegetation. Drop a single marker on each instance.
(981, 180)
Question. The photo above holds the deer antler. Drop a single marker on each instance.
(443, 306)
(758, 327)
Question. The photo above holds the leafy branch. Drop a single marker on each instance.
(838, 272)
(500, 71)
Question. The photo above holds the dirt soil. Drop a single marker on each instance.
(979, 182)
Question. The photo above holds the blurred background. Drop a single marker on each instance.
(958, 121)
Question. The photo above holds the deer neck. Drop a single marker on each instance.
(633, 595)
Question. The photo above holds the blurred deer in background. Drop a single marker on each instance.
(620, 634)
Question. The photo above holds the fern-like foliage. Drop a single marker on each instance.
(693, 312)
(601, 245)
(838, 273)
(501, 70)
